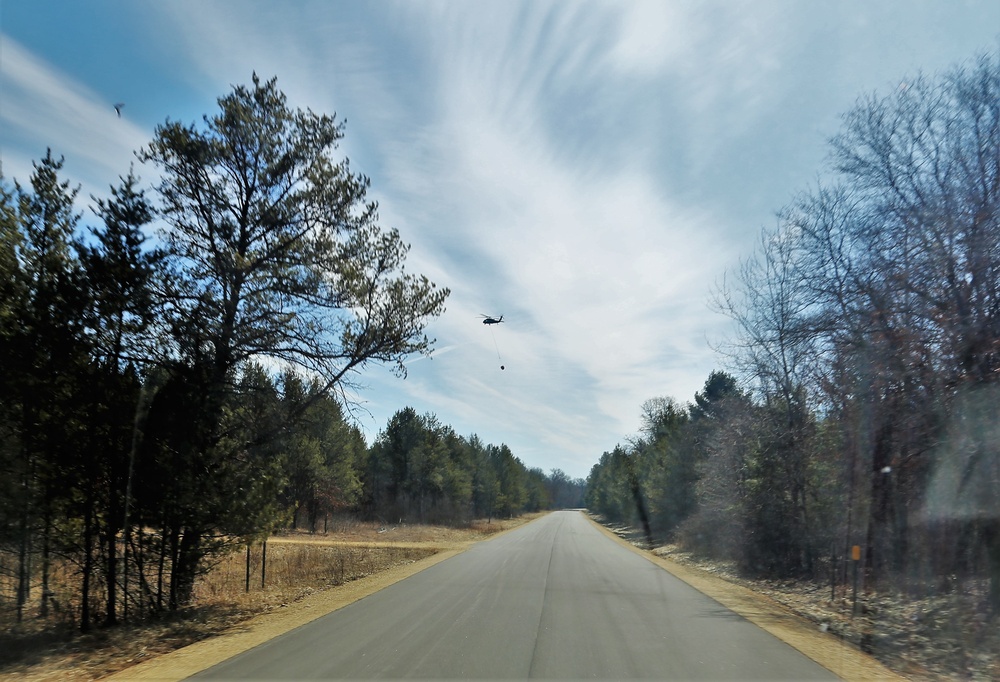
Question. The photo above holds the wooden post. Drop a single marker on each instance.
(856, 558)
(263, 563)
(833, 570)
(247, 582)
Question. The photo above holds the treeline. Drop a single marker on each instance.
(719, 476)
(421, 470)
(868, 349)
(163, 400)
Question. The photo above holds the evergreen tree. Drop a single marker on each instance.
(120, 275)
(277, 255)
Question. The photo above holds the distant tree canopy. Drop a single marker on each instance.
(653, 481)
(160, 403)
(421, 470)
(868, 343)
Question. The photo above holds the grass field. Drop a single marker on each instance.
(297, 564)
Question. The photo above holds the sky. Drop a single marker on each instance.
(589, 170)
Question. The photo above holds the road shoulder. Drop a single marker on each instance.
(837, 656)
(182, 663)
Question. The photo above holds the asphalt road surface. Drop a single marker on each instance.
(552, 599)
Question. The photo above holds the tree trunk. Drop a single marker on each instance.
(144, 593)
(43, 610)
(991, 540)
(640, 506)
(23, 561)
(161, 564)
(111, 570)
(877, 550)
(313, 509)
(184, 568)
(88, 563)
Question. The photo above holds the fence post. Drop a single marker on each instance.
(263, 563)
(856, 558)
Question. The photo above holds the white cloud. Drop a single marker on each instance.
(588, 169)
(591, 254)
(654, 37)
(41, 107)
(599, 269)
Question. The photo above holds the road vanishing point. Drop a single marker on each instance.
(553, 599)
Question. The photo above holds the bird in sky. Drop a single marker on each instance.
(118, 108)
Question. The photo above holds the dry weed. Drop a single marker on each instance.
(297, 565)
(50, 649)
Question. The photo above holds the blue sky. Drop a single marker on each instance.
(590, 170)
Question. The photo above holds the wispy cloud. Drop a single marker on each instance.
(522, 170)
(592, 251)
(587, 169)
(40, 107)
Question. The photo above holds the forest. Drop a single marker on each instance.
(176, 368)
(167, 400)
(862, 403)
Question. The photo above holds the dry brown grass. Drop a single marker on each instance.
(295, 569)
(298, 564)
(941, 638)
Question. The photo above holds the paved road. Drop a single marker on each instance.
(552, 599)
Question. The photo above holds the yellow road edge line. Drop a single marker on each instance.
(839, 657)
(182, 663)
(193, 658)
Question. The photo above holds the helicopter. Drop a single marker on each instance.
(489, 321)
